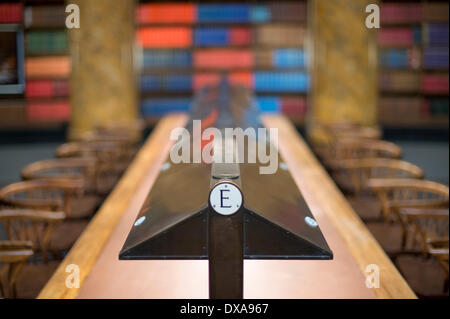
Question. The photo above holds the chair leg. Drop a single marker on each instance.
(2, 290)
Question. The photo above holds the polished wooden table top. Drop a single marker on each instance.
(102, 275)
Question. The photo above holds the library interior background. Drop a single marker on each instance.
(90, 90)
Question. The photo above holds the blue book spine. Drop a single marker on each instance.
(437, 34)
(167, 58)
(436, 57)
(211, 36)
(268, 104)
(394, 58)
(288, 58)
(281, 82)
(417, 35)
(169, 83)
(179, 83)
(150, 83)
(158, 107)
(226, 13)
(260, 14)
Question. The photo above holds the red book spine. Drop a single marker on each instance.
(164, 37)
(294, 106)
(435, 84)
(223, 59)
(11, 13)
(395, 37)
(48, 111)
(46, 88)
(240, 36)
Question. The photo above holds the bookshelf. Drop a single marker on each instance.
(185, 46)
(45, 100)
(413, 64)
(262, 45)
(47, 62)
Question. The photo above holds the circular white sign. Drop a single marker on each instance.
(225, 198)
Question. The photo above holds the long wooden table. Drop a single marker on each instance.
(102, 275)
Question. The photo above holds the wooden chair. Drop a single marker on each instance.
(352, 176)
(397, 194)
(348, 130)
(13, 255)
(357, 148)
(430, 227)
(70, 168)
(125, 144)
(109, 161)
(53, 195)
(427, 236)
(79, 169)
(440, 251)
(127, 134)
(28, 232)
(340, 131)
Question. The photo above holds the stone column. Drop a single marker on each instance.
(343, 65)
(103, 78)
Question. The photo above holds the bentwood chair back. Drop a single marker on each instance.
(430, 227)
(398, 193)
(356, 148)
(46, 194)
(352, 175)
(13, 255)
(78, 169)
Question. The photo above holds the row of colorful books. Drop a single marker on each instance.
(54, 15)
(185, 37)
(46, 88)
(276, 58)
(48, 110)
(259, 81)
(220, 12)
(267, 81)
(294, 106)
(402, 36)
(396, 13)
(204, 36)
(50, 16)
(15, 111)
(400, 58)
(411, 82)
(412, 108)
(11, 12)
(412, 58)
(430, 34)
(46, 42)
